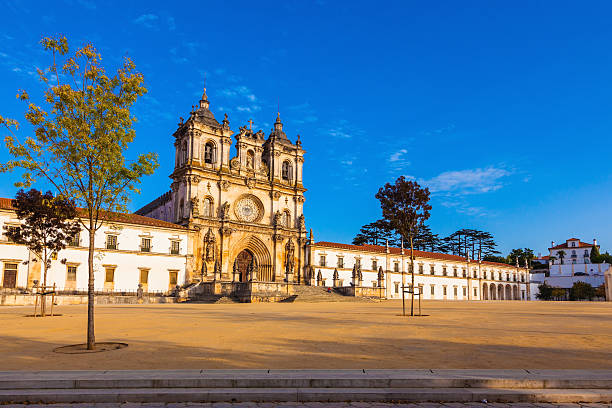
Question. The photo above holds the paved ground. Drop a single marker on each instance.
(491, 335)
(310, 405)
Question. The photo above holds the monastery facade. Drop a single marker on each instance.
(235, 226)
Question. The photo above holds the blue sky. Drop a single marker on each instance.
(501, 108)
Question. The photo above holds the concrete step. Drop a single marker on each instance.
(107, 395)
(559, 386)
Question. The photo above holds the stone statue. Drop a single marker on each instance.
(235, 272)
(195, 210)
(319, 278)
(260, 135)
(335, 274)
(289, 251)
(249, 161)
(210, 245)
(302, 222)
(225, 210)
(254, 269)
(243, 130)
(263, 169)
(277, 219)
(217, 269)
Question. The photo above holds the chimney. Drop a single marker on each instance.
(594, 241)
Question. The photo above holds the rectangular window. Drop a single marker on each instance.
(475, 292)
(464, 291)
(340, 262)
(144, 276)
(173, 278)
(396, 287)
(464, 273)
(444, 273)
(358, 262)
(485, 274)
(111, 242)
(432, 270)
(454, 271)
(11, 228)
(455, 291)
(421, 269)
(374, 265)
(475, 274)
(145, 245)
(109, 276)
(444, 290)
(175, 247)
(71, 273)
(396, 267)
(322, 260)
(433, 290)
(374, 284)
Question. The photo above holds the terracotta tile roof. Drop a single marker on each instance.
(565, 246)
(398, 251)
(7, 204)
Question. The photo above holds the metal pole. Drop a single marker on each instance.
(412, 272)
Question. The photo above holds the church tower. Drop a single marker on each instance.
(246, 211)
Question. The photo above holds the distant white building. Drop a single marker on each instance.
(568, 263)
(130, 250)
(438, 276)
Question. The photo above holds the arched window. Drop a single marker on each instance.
(250, 159)
(285, 219)
(209, 153)
(207, 207)
(286, 171)
(184, 152)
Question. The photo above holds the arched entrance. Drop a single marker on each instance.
(256, 253)
(493, 292)
(485, 291)
(516, 293)
(508, 292)
(242, 263)
(500, 292)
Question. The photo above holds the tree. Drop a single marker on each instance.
(582, 290)
(79, 140)
(595, 255)
(376, 233)
(561, 256)
(544, 292)
(600, 291)
(48, 225)
(425, 240)
(524, 254)
(495, 258)
(405, 205)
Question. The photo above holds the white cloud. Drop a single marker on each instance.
(469, 181)
(398, 155)
(147, 20)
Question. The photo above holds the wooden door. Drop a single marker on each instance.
(10, 276)
(243, 260)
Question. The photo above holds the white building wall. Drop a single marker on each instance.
(460, 287)
(128, 259)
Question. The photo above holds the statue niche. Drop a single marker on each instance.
(210, 246)
(289, 260)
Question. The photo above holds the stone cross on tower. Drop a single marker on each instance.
(250, 122)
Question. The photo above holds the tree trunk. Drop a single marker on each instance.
(412, 271)
(91, 338)
(43, 298)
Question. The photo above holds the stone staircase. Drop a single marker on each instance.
(304, 293)
(167, 386)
